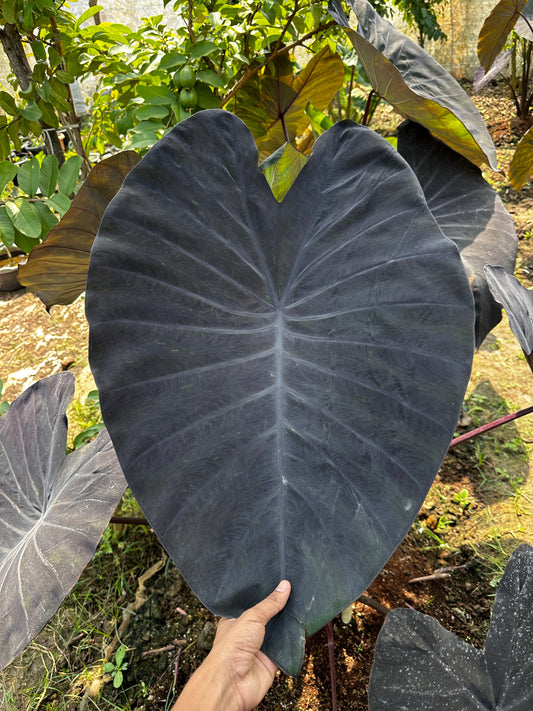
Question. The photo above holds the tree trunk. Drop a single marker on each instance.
(14, 49)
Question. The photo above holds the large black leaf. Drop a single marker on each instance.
(517, 302)
(53, 509)
(469, 211)
(420, 665)
(268, 371)
(418, 87)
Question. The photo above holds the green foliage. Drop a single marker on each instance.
(88, 417)
(118, 667)
(36, 194)
(419, 15)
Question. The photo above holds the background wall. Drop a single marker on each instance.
(461, 20)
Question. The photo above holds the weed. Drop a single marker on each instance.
(87, 418)
(462, 498)
(118, 667)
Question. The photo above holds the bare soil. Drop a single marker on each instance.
(478, 510)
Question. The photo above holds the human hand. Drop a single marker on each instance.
(236, 675)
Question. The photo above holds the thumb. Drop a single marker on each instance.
(271, 605)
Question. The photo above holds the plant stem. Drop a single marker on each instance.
(367, 107)
(490, 426)
(333, 676)
(349, 98)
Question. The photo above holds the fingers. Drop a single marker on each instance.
(271, 605)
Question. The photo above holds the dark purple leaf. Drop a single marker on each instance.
(53, 509)
(496, 28)
(517, 302)
(469, 212)
(268, 370)
(415, 84)
(482, 78)
(509, 645)
(420, 665)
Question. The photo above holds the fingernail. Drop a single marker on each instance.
(282, 586)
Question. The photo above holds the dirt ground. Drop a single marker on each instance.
(477, 511)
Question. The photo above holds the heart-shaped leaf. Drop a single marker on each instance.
(273, 107)
(267, 370)
(453, 186)
(420, 665)
(57, 268)
(517, 302)
(416, 85)
(53, 509)
(496, 29)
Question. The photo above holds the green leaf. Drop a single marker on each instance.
(210, 77)
(82, 438)
(47, 217)
(49, 114)
(5, 148)
(90, 12)
(44, 92)
(206, 98)
(31, 112)
(59, 202)
(7, 172)
(29, 174)
(415, 84)
(49, 175)
(117, 679)
(496, 29)
(120, 654)
(26, 244)
(282, 168)
(172, 60)
(8, 10)
(108, 666)
(159, 95)
(7, 103)
(521, 168)
(7, 231)
(144, 113)
(203, 49)
(59, 90)
(24, 217)
(179, 112)
(39, 50)
(39, 73)
(68, 174)
(54, 58)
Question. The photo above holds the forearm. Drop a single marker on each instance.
(207, 690)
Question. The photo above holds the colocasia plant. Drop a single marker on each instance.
(420, 665)
(268, 364)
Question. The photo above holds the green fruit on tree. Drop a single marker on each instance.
(188, 98)
(176, 79)
(187, 76)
